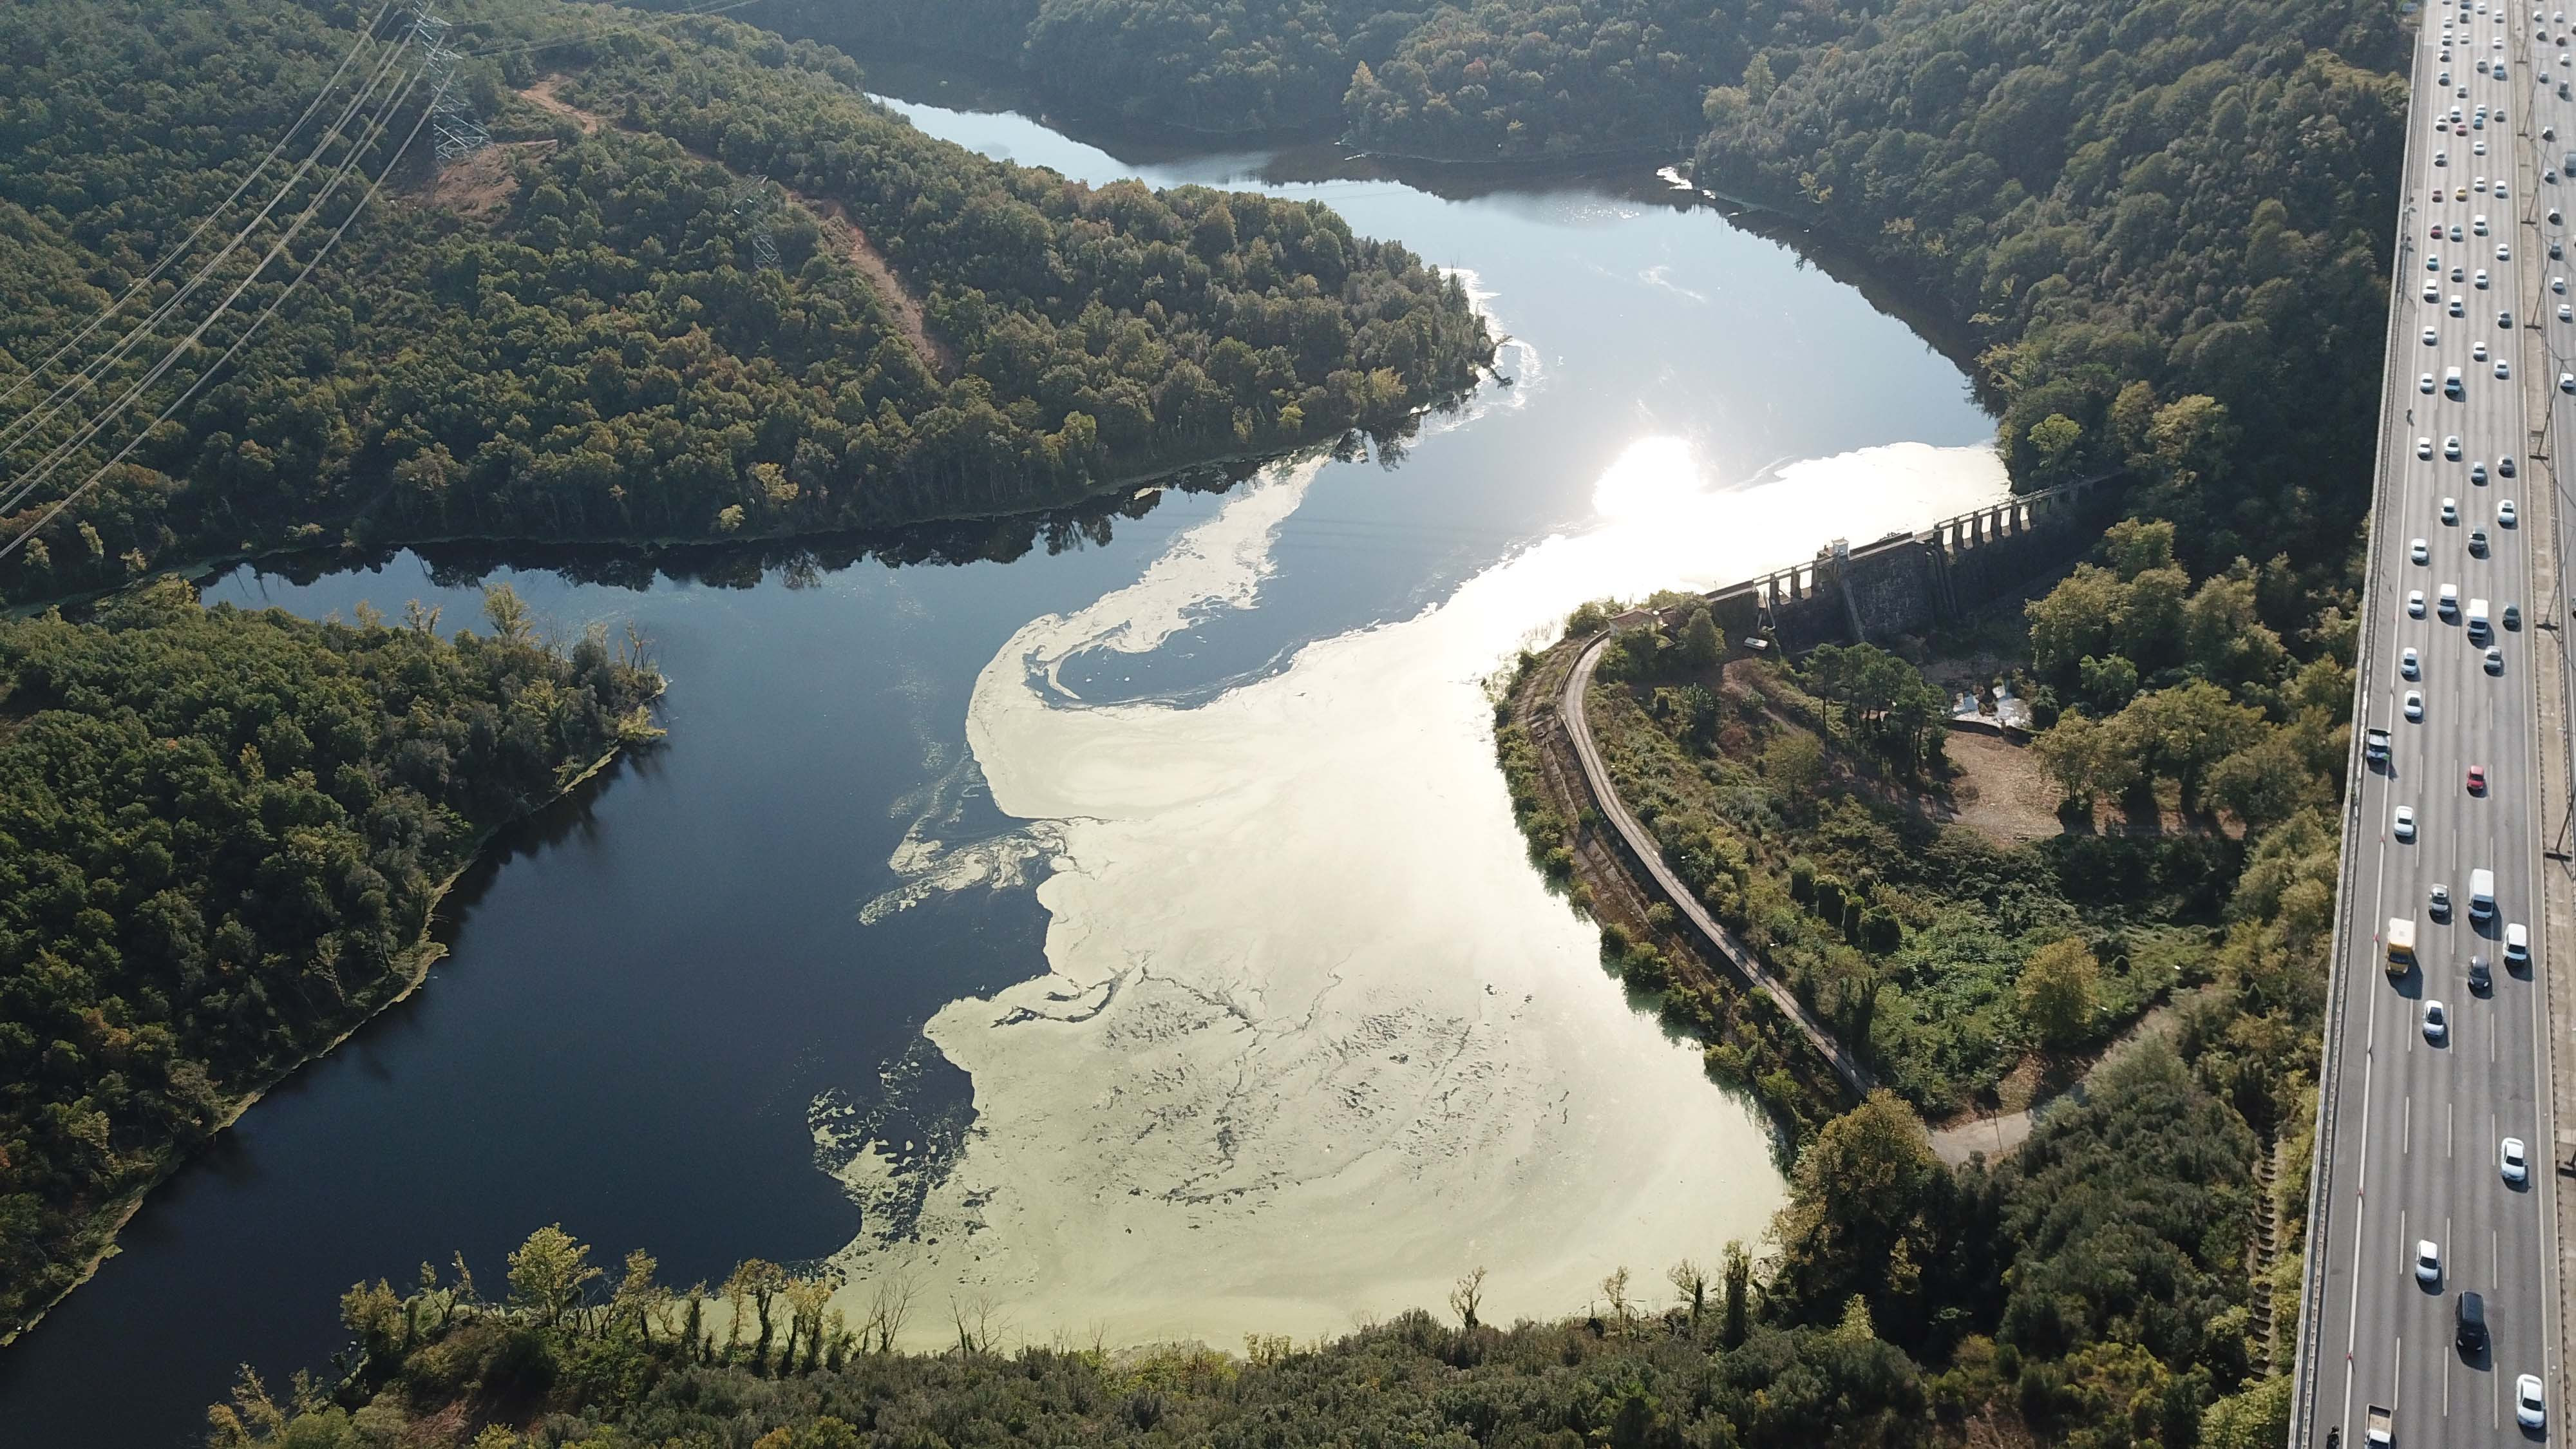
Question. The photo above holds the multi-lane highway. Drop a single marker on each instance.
(2412, 1121)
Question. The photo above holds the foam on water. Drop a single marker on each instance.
(1315, 1038)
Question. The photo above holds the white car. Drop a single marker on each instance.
(2424, 446)
(2415, 603)
(2432, 291)
(2459, 307)
(2410, 664)
(2415, 705)
(2478, 352)
(2528, 1411)
(2437, 1025)
(2567, 382)
(2479, 279)
(2451, 511)
(2566, 313)
(2451, 447)
(2428, 1260)
(2558, 285)
(2418, 552)
(2424, 383)
(2503, 368)
(2503, 253)
(2494, 660)
(2477, 472)
(2511, 1161)
(2506, 516)
(2405, 822)
(2431, 337)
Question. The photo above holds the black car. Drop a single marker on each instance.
(2480, 979)
(2469, 1325)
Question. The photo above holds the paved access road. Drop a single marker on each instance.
(2412, 1123)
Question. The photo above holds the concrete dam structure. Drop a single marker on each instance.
(1907, 583)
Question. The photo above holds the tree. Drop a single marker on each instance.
(2089, 759)
(1854, 1195)
(2057, 441)
(1690, 1283)
(1737, 1275)
(1794, 762)
(548, 1273)
(2264, 783)
(1466, 1296)
(1701, 646)
(2188, 728)
(2074, 619)
(2135, 545)
(2257, 1418)
(508, 614)
(2057, 991)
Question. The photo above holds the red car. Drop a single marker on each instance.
(2477, 779)
(2437, 231)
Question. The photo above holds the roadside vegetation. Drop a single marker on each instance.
(222, 835)
(590, 350)
(1807, 806)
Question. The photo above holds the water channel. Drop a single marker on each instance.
(1118, 921)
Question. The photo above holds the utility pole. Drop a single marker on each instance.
(454, 132)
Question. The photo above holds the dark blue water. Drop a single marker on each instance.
(650, 984)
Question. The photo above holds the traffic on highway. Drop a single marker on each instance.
(2432, 1314)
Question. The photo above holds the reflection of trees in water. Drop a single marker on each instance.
(802, 562)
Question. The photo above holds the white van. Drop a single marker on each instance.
(2450, 601)
(2477, 618)
(2517, 945)
(2481, 894)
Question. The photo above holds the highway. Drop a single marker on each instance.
(2410, 1124)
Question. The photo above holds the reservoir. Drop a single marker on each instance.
(1111, 922)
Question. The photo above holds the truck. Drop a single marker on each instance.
(2477, 618)
(2481, 894)
(2374, 746)
(2377, 1431)
(2401, 944)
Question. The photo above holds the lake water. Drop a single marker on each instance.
(1116, 923)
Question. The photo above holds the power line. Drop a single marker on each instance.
(19, 489)
(376, 132)
(91, 372)
(140, 284)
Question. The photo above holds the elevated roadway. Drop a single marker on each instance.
(2410, 1122)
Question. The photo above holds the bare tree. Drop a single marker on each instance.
(1615, 1289)
(888, 1309)
(1464, 1298)
(1690, 1280)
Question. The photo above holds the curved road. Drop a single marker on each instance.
(1642, 845)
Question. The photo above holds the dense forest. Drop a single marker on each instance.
(2122, 1222)
(1479, 81)
(572, 335)
(221, 838)
(2166, 225)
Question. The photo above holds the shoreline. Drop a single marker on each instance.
(423, 954)
(1159, 473)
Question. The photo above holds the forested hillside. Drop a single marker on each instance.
(221, 836)
(571, 337)
(1481, 80)
(2131, 208)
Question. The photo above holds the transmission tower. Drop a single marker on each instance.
(454, 133)
(755, 204)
